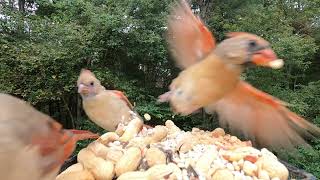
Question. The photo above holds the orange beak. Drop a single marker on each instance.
(267, 58)
(82, 89)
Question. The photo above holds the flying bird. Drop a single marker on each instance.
(210, 79)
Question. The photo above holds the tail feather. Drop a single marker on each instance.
(263, 118)
(69, 139)
(314, 130)
(83, 134)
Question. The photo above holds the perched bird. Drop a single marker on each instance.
(32, 145)
(210, 79)
(106, 108)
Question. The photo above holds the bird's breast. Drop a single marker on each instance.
(106, 112)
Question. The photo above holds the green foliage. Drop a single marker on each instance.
(123, 43)
(307, 159)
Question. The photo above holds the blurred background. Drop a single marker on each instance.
(45, 43)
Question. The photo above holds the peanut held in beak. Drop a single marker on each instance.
(267, 58)
(276, 64)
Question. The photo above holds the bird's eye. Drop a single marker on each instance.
(91, 83)
(179, 92)
(252, 44)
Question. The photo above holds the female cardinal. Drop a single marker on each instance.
(210, 72)
(211, 80)
(107, 108)
(32, 145)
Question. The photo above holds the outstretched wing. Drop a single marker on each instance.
(188, 38)
(262, 118)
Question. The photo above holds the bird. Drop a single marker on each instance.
(32, 144)
(210, 79)
(210, 71)
(109, 109)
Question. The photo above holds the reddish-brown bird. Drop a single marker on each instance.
(106, 108)
(211, 79)
(32, 145)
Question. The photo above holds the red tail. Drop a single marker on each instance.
(69, 140)
(83, 134)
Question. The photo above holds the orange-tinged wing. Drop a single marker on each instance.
(23, 128)
(123, 97)
(188, 38)
(262, 118)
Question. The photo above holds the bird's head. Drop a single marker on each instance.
(88, 84)
(244, 49)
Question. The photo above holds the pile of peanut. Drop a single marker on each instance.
(166, 152)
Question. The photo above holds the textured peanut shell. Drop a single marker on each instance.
(74, 168)
(159, 171)
(140, 142)
(250, 168)
(103, 170)
(241, 153)
(114, 155)
(159, 132)
(187, 143)
(218, 132)
(132, 130)
(76, 175)
(204, 162)
(85, 155)
(155, 156)
(98, 149)
(108, 137)
(172, 128)
(129, 161)
(222, 174)
(133, 175)
(273, 167)
(100, 168)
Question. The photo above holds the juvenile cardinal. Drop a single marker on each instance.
(106, 108)
(210, 79)
(32, 145)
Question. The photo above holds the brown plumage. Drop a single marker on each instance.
(106, 108)
(211, 80)
(210, 73)
(32, 145)
(262, 118)
(181, 24)
(201, 84)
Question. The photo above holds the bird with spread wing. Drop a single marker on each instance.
(210, 79)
